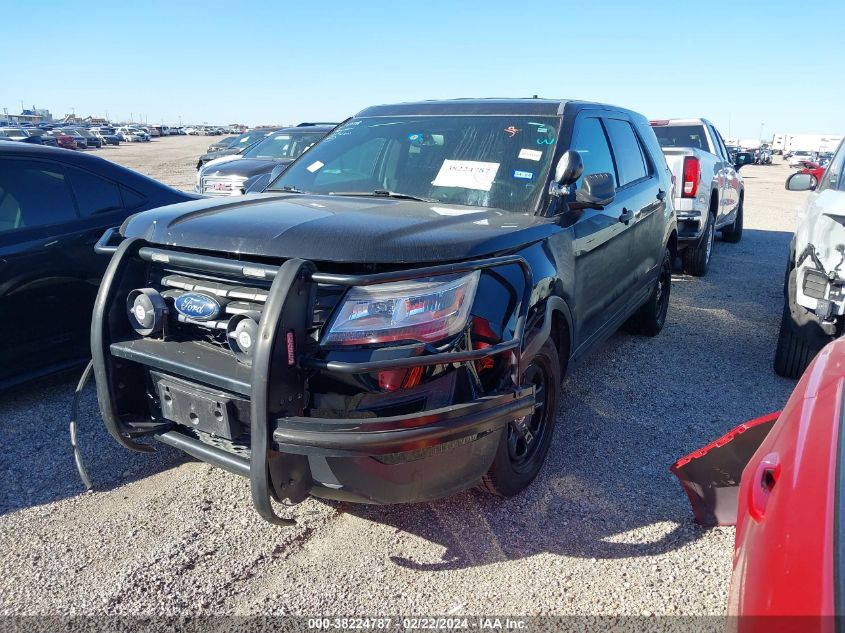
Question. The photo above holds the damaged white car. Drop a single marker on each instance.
(814, 287)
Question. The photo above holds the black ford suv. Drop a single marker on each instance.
(391, 319)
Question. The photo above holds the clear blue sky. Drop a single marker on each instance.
(739, 63)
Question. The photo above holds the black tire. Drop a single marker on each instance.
(651, 317)
(800, 337)
(697, 258)
(518, 461)
(733, 233)
(793, 352)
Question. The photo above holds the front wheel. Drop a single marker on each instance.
(800, 337)
(525, 442)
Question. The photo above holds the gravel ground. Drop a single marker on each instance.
(605, 529)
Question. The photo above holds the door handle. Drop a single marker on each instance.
(765, 478)
(626, 216)
(661, 195)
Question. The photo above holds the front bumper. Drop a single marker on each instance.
(290, 454)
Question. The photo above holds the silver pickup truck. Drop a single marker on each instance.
(709, 191)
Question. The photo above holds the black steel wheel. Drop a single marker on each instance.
(525, 442)
(651, 317)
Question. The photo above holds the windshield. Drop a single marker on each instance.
(248, 138)
(282, 146)
(484, 161)
(682, 136)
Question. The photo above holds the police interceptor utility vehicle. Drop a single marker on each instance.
(391, 319)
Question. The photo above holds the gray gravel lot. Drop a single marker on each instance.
(605, 529)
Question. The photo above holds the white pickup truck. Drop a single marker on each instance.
(709, 191)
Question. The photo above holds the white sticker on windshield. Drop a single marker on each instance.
(281, 137)
(314, 166)
(530, 154)
(455, 212)
(467, 174)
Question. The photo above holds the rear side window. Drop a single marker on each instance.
(590, 141)
(94, 194)
(627, 150)
(34, 194)
(682, 136)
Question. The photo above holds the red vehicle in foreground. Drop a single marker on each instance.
(66, 141)
(789, 554)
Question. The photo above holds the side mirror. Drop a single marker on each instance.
(569, 168)
(597, 190)
(801, 182)
(743, 158)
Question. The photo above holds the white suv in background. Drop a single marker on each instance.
(814, 288)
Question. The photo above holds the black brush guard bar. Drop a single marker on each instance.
(277, 389)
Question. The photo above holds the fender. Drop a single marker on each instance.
(540, 334)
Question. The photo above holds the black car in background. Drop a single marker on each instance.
(236, 146)
(106, 134)
(257, 165)
(223, 143)
(54, 206)
(41, 136)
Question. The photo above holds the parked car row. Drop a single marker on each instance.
(256, 158)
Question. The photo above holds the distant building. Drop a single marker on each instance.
(33, 115)
(805, 142)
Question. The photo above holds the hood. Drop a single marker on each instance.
(338, 229)
(246, 167)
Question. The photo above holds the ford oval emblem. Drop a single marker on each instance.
(197, 306)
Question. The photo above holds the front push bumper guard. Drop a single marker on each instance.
(281, 438)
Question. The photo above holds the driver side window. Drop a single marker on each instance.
(590, 141)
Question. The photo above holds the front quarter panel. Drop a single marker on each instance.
(784, 553)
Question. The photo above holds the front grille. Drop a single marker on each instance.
(235, 295)
(221, 185)
(815, 284)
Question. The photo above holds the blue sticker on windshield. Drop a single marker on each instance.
(524, 175)
(545, 141)
(415, 138)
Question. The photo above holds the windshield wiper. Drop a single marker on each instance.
(289, 189)
(382, 193)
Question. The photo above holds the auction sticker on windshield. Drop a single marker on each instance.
(467, 174)
(530, 154)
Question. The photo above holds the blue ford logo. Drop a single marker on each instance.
(197, 306)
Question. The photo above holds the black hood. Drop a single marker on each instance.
(338, 229)
(246, 167)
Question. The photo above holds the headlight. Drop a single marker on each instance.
(426, 310)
